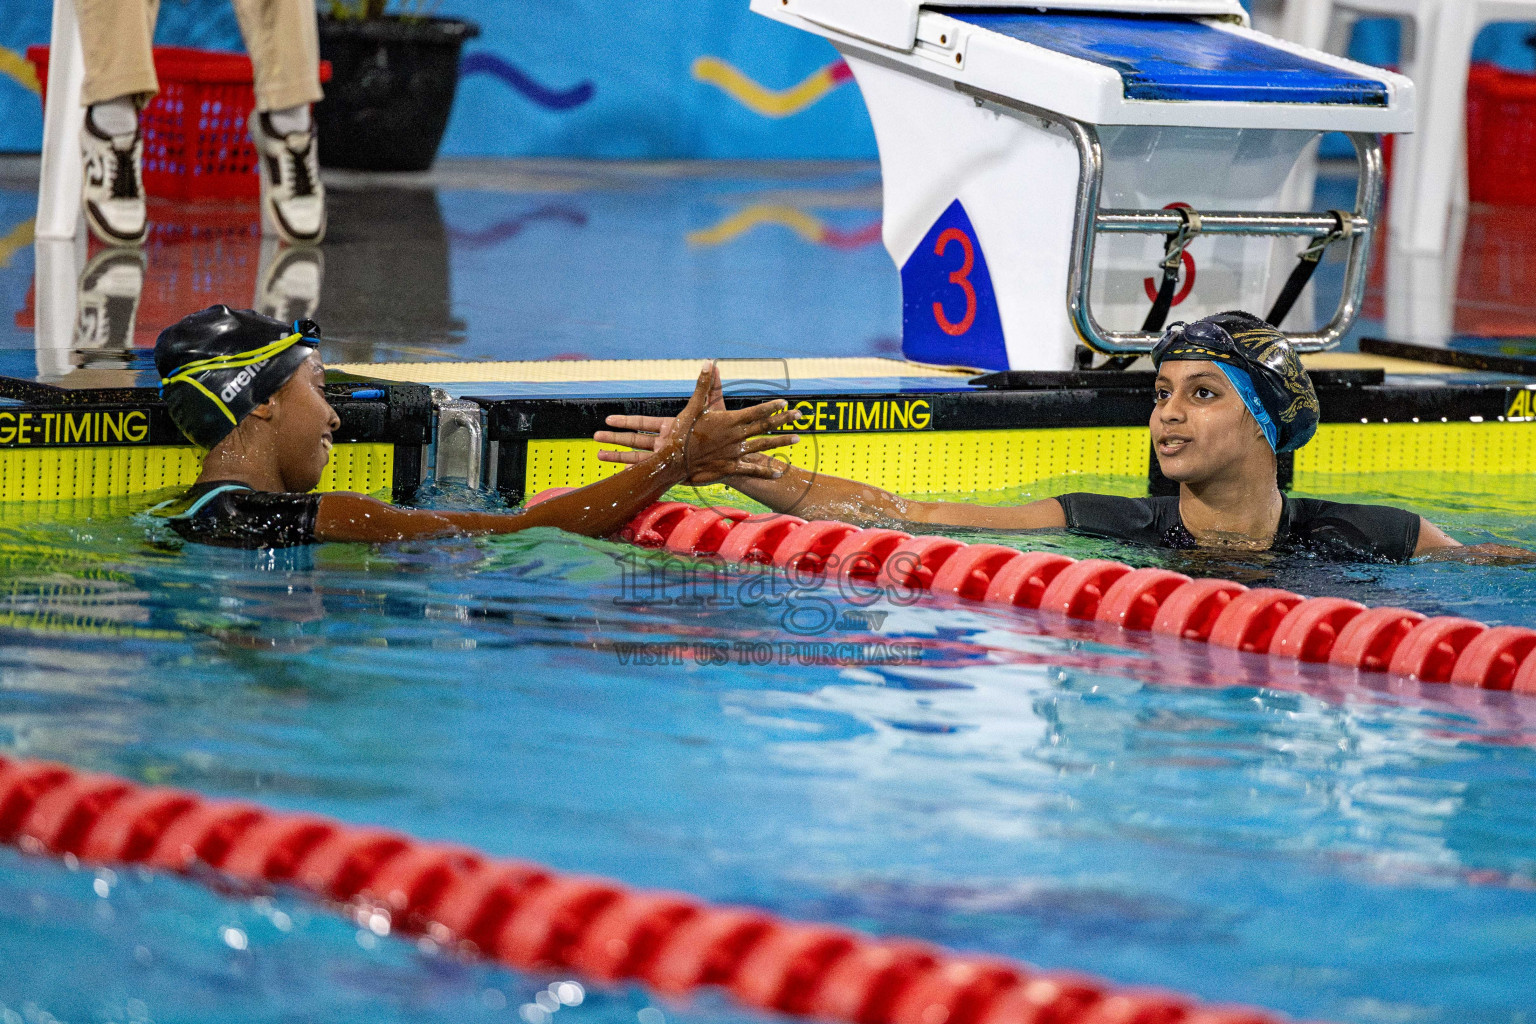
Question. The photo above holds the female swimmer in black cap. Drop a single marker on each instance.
(1231, 395)
(250, 390)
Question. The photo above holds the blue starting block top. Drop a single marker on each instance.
(1172, 58)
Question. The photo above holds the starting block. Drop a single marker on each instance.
(1066, 171)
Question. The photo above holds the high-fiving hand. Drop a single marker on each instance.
(709, 441)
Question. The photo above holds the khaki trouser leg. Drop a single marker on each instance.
(117, 38)
(284, 43)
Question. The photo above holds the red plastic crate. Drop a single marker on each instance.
(196, 145)
(1501, 136)
(197, 254)
(1496, 295)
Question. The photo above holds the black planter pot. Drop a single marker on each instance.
(391, 90)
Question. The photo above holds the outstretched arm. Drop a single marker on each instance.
(790, 489)
(819, 496)
(1436, 544)
(706, 445)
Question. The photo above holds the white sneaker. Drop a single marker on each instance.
(288, 288)
(292, 196)
(109, 291)
(113, 189)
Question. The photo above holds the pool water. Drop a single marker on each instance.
(1333, 846)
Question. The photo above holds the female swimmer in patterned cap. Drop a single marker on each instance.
(250, 390)
(1230, 397)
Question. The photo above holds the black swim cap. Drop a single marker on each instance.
(218, 364)
(1244, 342)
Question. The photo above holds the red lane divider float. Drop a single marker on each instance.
(531, 918)
(1444, 649)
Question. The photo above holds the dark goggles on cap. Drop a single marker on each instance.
(1201, 338)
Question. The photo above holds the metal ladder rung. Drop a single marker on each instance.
(1166, 222)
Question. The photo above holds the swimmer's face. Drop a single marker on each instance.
(304, 422)
(1200, 427)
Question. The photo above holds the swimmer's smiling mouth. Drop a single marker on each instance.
(1172, 444)
(325, 442)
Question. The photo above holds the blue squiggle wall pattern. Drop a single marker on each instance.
(483, 63)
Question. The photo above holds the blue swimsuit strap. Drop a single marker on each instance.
(202, 500)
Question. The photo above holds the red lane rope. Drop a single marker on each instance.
(1442, 649)
(531, 918)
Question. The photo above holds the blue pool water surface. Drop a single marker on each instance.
(1327, 845)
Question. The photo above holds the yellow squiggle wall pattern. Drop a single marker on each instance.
(19, 238)
(765, 101)
(807, 225)
(14, 65)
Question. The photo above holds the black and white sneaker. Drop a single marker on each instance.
(113, 189)
(292, 196)
(109, 290)
(288, 287)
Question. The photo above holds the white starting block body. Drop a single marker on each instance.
(1034, 159)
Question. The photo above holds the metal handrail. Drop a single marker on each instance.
(1166, 222)
(454, 415)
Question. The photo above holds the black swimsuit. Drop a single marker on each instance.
(1341, 532)
(233, 515)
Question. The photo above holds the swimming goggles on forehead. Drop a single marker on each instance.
(1197, 338)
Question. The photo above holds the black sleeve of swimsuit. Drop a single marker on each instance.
(253, 519)
(1133, 520)
(1377, 532)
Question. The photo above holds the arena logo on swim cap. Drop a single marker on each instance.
(244, 377)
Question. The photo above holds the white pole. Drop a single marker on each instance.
(57, 304)
(58, 187)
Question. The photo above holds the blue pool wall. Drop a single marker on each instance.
(599, 79)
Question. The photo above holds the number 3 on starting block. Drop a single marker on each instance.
(949, 311)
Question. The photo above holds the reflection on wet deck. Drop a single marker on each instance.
(516, 260)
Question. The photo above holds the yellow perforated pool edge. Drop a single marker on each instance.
(908, 462)
(1345, 457)
(917, 462)
(1490, 447)
(960, 461)
(68, 474)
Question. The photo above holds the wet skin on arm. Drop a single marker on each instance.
(284, 443)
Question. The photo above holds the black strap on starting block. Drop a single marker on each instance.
(1307, 266)
(1173, 260)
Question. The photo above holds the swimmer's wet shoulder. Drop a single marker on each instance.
(1328, 528)
(227, 513)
